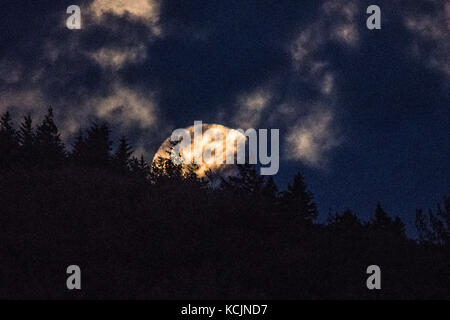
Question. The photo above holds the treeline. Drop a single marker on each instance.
(41, 147)
(140, 230)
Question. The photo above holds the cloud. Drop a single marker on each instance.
(312, 132)
(10, 73)
(291, 100)
(117, 58)
(146, 11)
(336, 22)
(346, 33)
(79, 74)
(307, 60)
(126, 41)
(307, 43)
(251, 107)
(139, 8)
(126, 107)
(123, 107)
(311, 138)
(341, 16)
(24, 100)
(107, 70)
(327, 85)
(432, 36)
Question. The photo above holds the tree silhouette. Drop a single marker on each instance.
(269, 191)
(162, 232)
(345, 221)
(383, 223)
(94, 150)
(298, 200)
(8, 141)
(121, 158)
(435, 228)
(247, 181)
(164, 169)
(78, 155)
(140, 167)
(51, 152)
(26, 138)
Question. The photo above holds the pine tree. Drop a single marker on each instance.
(8, 142)
(270, 191)
(298, 200)
(269, 198)
(385, 224)
(6, 125)
(77, 156)
(26, 133)
(164, 169)
(345, 222)
(346, 228)
(435, 228)
(121, 158)
(248, 181)
(139, 167)
(48, 142)
(26, 138)
(382, 220)
(143, 165)
(95, 149)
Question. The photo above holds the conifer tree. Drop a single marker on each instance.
(383, 223)
(8, 142)
(6, 125)
(77, 156)
(164, 170)
(247, 181)
(435, 227)
(26, 138)
(95, 149)
(298, 200)
(270, 191)
(140, 167)
(48, 142)
(121, 158)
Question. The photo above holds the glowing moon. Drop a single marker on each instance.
(188, 155)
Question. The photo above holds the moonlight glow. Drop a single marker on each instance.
(188, 156)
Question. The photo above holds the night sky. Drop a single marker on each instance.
(363, 114)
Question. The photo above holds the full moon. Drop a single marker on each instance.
(205, 166)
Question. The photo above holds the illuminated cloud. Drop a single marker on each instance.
(336, 22)
(311, 66)
(117, 58)
(311, 138)
(346, 33)
(10, 73)
(250, 109)
(342, 15)
(80, 79)
(21, 101)
(432, 35)
(306, 45)
(312, 131)
(127, 48)
(145, 10)
(327, 85)
(126, 107)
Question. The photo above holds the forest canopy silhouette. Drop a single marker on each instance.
(149, 230)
